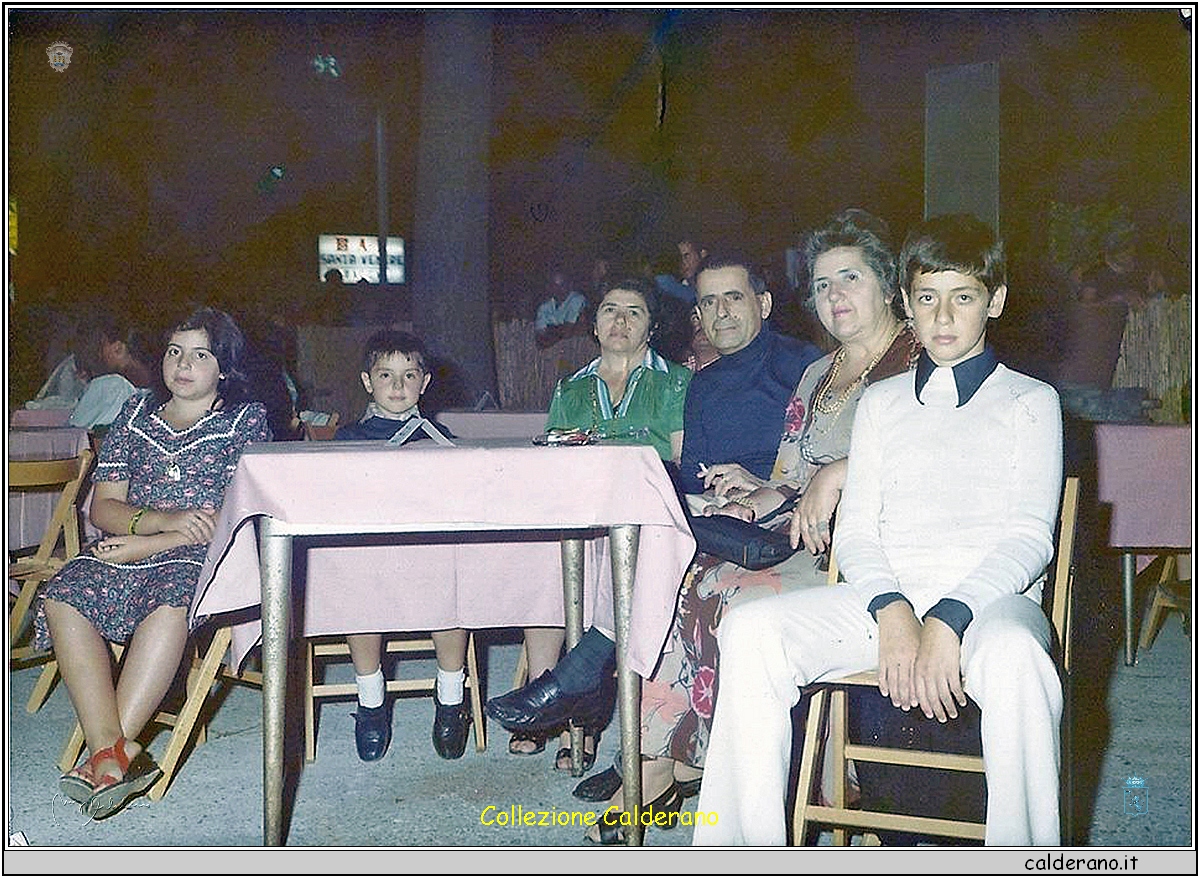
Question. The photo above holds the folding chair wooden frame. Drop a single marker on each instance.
(1170, 593)
(313, 432)
(325, 647)
(31, 572)
(828, 710)
(204, 671)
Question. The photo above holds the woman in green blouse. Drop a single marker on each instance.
(628, 394)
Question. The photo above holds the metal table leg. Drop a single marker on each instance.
(623, 541)
(1128, 574)
(572, 571)
(275, 554)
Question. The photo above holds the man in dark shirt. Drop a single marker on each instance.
(734, 409)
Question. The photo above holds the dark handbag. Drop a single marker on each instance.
(742, 542)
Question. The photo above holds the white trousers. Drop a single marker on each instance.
(770, 648)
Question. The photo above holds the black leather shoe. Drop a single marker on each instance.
(541, 705)
(670, 802)
(372, 731)
(450, 723)
(599, 787)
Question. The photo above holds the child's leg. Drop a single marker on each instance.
(1009, 673)
(769, 648)
(151, 662)
(542, 646)
(366, 651)
(450, 716)
(83, 660)
(450, 646)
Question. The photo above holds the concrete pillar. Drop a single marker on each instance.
(962, 141)
(449, 248)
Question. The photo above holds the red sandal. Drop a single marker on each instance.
(79, 783)
(111, 794)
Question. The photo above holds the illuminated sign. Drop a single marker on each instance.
(357, 258)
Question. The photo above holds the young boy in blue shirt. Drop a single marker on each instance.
(395, 374)
(944, 532)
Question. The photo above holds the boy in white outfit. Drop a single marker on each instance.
(943, 534)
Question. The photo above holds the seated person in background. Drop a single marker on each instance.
(395, 375)
(736, 409)
(1095, 322)
(944, 532)
(118, 365)
(555, 319)
(627, 394)
(692, 254)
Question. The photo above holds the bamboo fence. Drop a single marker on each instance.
(526, 373)
(1156, 353)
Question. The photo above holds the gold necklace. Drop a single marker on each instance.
(825, 402)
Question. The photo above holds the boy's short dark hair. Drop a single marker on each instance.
(733, 259)
(954, 242)
(393, 341)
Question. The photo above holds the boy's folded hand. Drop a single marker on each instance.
(938, 674)
(899, 641)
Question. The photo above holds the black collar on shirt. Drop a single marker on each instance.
(968, 374)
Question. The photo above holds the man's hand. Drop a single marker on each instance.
(938, 672)
(899, 642)
(730, 480)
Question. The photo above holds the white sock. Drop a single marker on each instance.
(371, 688)
(450, 686)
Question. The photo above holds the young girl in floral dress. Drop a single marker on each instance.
(158, 487)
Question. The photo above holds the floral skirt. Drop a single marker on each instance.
(678, 700)
(116, 598)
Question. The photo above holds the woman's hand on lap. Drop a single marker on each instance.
(814, 511)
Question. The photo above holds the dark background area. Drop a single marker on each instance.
(137, 172)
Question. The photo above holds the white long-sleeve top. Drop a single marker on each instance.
(951, 501)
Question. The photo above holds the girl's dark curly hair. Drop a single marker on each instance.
(227, 344)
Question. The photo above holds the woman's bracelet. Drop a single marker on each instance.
(137, 516)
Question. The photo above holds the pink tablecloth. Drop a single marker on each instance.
(29, 511)
(1145, 472)
(40, 417)
(494, 425)
(462, 578)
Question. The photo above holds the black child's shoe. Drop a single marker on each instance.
(450, 723)
(372, 731)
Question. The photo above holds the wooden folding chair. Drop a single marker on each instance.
(1170, 593)
(204, 671)
(68, 476)
(326, 647)
(313, 432)
(828, 710)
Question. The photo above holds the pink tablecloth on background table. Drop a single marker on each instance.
(463, 578)
(40, 417)
(1145, 472)
(29, 511)
(494, 425)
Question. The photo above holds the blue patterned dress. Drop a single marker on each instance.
(167, 469)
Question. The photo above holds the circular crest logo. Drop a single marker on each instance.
(60, 55)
